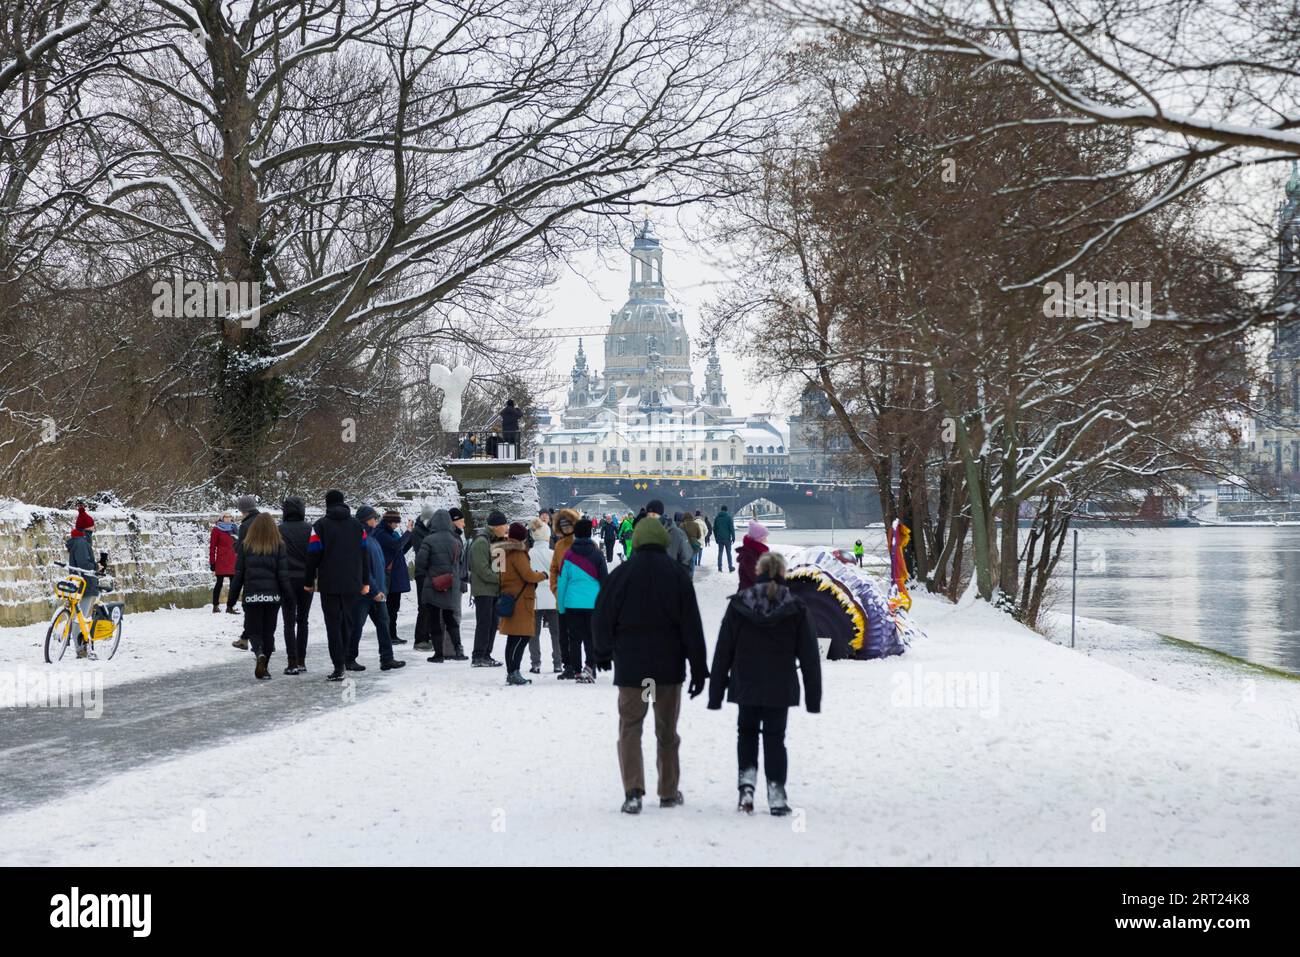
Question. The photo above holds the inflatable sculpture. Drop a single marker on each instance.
(849, 607)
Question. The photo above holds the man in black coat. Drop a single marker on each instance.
(296, 532)
(647, 625)
(609, 537)
(510, 425)
(336, 554)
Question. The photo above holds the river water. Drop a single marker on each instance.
(1232, 589)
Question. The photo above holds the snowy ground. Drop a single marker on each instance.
(985, 744)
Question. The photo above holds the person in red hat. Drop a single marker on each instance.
(81, 561)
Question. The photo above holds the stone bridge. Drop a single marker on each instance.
(807, 504)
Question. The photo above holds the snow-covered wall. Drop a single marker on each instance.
(156, 559)
(160, 559)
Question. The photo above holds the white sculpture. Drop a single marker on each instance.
(452, 382)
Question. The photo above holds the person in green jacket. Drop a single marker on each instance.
(857, 551)
(625, 534)
(484, 586)
(724, 532)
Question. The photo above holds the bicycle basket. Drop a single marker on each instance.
(106, 618)
(73, 586)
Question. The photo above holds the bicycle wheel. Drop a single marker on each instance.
(115, 640)
(58, 636)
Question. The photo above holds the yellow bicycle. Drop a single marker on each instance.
(103, 628)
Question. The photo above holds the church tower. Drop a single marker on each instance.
(647, 314)
(714, 394)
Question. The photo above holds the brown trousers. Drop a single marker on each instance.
(631, 715)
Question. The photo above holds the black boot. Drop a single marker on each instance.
(335, 675)
(632, 803)
(355, 665)
(748, 778)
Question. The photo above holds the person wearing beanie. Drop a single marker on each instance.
(582, 573)
(485, 586)
(724, 531)
(295, 531)
(519, 581)
(562, 525)
(246, 504)
(395, 543)
(373, 602)
(751, 550)
(336, 558)
(679, 546)
(81, 561)
(221, 556)
(646, 626)
(539, 558)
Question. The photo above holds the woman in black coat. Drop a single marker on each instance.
(765, 632)
(262, 577)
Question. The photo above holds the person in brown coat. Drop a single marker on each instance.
(563, 524)
(518, 580)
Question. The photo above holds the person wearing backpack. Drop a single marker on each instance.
(262, 581)
(484, 587)
(437, 569)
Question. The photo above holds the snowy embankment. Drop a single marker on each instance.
(984, 744)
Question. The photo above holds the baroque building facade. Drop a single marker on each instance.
(643, 414)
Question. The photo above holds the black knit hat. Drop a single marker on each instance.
(334, 497)
(497, 517)
(583, 528)
(656, 506)
(455, 513)
(365, 513)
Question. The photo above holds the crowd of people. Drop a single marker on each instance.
(613, 594)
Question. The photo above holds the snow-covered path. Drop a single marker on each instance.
(1054, 758)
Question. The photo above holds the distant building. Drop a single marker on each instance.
(643, 414)
(813, 452)
(1274, 445)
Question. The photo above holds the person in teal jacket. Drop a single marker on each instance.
(581, 575)
(724, 532)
